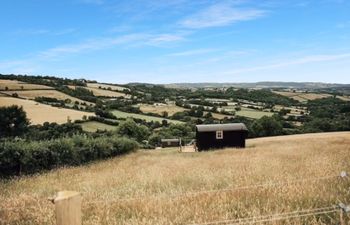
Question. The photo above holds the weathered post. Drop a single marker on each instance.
(68, 208)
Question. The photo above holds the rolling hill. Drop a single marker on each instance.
(167, 187)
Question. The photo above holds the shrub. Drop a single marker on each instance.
(28, 157)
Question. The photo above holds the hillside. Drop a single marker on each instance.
(153, 184)
(297, 85)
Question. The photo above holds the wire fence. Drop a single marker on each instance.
(342, 175)
(237, 221)
(275, 217)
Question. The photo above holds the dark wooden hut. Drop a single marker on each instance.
(213, 136)
(170, 143)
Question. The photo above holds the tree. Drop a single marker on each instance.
(267, 126)
(13, 121)
(132, 130)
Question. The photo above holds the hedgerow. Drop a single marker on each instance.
(18, 157)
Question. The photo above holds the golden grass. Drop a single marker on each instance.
(170, 109)
(301, 96)
(103, 93)
(18, 85)
(39, 113)
(112, 87)
(165, 173)
(32, 94)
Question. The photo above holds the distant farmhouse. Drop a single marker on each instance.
(214, 136)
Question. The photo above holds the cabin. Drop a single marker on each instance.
(215, 136)
(170, 143)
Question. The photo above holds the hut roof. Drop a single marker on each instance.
(223, 127)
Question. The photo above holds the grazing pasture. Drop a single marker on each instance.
(167, 187)
(120, 114)
(93, 126)
(39, 113)
(18, 85)
(32, 94)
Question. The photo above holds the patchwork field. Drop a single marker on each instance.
(39, 113)
(103, 93)
(106, 93)
(107, 86)
(120, 114)
(167, 187)
(18, 85)
(247, 112)
(303, 97)
(32, 94)
(170, 109)
(93, 126)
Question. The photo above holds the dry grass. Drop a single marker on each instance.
(103, 93)
(112, 87)
(18, 85)
(39, 113)
(164, 173)
(303, 97)
(170, 109)
(32, 94)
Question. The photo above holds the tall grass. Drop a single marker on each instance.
(164, 173)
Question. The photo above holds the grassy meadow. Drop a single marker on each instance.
(120, 114)
(149, 187)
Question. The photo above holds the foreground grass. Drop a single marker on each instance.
(166, 173)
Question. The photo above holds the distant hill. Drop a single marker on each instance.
(296, 85)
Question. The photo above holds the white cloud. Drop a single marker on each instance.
(301, 61)
(33, 32)
(193, 52)
(166, 38)
(220, 15)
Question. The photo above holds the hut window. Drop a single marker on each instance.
(219, 134)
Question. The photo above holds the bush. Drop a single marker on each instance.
(28, 157)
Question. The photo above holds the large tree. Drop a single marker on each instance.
(13, 121)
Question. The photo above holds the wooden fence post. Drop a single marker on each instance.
(68, 208)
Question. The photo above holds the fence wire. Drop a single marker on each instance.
(275, 217)
(218, 191)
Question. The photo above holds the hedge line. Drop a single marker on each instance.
(27, 157)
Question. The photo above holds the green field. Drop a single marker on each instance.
(251, 113)
(93, 126)
(120, 114)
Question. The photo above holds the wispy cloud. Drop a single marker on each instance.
(301, 61)
(34, 32)
(220, 15)
(193, 52)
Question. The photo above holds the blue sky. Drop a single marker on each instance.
(165, 41)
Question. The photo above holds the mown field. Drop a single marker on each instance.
(120, 114)
(107, 86)
(39, 113)
(159, 109)
(164, 186)
(18, 85)
(32, 94)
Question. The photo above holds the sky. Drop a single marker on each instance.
(173, 41)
